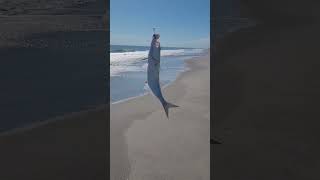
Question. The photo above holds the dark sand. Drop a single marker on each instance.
(266, 101)
(53, 59)
(70, 147)
(52, 7)
(53, 62)
(39, 83)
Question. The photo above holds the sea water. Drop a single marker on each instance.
(128, 68)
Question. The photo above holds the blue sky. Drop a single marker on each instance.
(181, 23)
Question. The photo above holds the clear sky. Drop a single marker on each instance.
(180, 23)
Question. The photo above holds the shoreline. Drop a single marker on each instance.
(49, 121)
(39, 123)
(56, 141)
(126, 129)
(180, 73)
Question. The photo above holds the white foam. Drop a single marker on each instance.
(138, 55)
(145, 66)
(126, 61)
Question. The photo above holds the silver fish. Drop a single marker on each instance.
(153, 72)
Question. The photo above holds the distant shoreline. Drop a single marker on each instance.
(161, 46)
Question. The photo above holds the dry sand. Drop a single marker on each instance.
(145, 145)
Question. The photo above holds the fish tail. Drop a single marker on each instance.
(166, 106)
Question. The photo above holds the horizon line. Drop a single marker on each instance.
(163, 46)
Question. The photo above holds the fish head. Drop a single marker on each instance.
(155, 40)
(156, 36)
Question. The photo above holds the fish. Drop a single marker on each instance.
(154, 71)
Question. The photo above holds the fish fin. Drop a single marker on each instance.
(166, 107)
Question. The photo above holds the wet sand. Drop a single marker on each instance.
(41, 83)
(68, 147)
(147, 145)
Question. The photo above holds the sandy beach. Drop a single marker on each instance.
(147, 145)
(144, 143)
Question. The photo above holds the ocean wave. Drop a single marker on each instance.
(139, 55)
(127, 61)
(122, 50)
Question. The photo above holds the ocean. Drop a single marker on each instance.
(128, 68)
